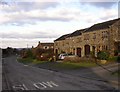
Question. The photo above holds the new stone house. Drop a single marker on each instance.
(99, 37)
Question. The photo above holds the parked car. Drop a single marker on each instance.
(62, 56)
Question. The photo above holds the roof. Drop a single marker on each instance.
(44, 44)
(77, 33)
(95, 27)
(62, 37)
(47, 44)
(102, 25)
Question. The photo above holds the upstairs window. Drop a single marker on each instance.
(105, 34)
(94, 35)
(86, 37)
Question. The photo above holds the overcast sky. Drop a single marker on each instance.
(28, 22)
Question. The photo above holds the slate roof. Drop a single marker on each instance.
(62, 37)
(77, 33)
(47, 44)
(44, 44)
(102, 25)
(95, 27)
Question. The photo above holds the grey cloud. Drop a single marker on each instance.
(33, 21)
(30, 35)
(26, 6)
(101, 4)
(17, 13)
(22, 19)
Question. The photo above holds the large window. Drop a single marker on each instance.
(104, 47)
(94, 35)
(79, 39)
(104, 34)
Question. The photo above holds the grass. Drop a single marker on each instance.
(25, 60)
(112, 58)
(30, 60)
(116, 73)
(68, 65)
(62, 65)
(35, 61)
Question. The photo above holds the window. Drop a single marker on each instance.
(86, 37)
(51, 46)
(56, 44)
(45, 47)
(104, 47)
(67, 43)
(79, 39)
(94, 35)
(105, 34)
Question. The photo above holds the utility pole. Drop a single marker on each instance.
(27, 46)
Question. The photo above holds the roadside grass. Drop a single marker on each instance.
(35, 61)
(116, 73)
(25, 60)
(30, 61)
(58, 65)
(69, 65)
(112, 58)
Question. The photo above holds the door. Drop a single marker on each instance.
(87, 50)
(79, 52)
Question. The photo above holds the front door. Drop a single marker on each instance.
(79, 52)
(87, 50)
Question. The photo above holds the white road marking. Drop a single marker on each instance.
(50, 84)
(39, 86)
(20, 87)
(25, 65)
(25, 87)
(44, 85)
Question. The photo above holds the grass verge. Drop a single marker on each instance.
(68, 65)
(116, 73)
(54, 65)
(30, 60)
(25, 60)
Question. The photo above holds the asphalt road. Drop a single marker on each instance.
(22, 77)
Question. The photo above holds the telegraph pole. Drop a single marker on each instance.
(27, 46)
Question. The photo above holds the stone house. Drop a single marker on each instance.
(45, 45)
(99, 37)
(60, 44)
(43, 48)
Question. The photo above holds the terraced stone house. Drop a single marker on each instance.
(99, 37)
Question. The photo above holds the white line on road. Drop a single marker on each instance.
(25, 65)
(20, 87)
(44, 85)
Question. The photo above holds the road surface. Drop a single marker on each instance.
(17, 76)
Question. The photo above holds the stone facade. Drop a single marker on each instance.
(99, 37)
(45, 45)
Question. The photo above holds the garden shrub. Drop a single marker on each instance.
(102, 55)
(77, 59)
(118, 59)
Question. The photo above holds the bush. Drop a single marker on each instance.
(45, 57)
(118, 59)
(77, 59)
(102, 55)
(113, 58)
